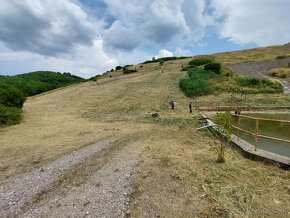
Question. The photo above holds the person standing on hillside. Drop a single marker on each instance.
(172, 103)
(190, 107)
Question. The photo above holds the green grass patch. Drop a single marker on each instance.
(198, 82)
(243, 84)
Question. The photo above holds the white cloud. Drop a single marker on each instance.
(182, 52)
(157, 22)
(120, 37)
(164, 53)
(264, 22)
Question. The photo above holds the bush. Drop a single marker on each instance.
(154, 60)
(127, 71)
(12, 97)
(9, 115)
(281, 57)
(200, 61)
(118, 68)
(161, 62)
(187, 68)
(215, 67)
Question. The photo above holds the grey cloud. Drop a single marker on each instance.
(55, 30)
(161, 33)
(121, 38)
(157, 22)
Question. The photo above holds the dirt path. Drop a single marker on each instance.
(261, 69)
(104, 193)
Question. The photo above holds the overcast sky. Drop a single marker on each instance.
(89, 37)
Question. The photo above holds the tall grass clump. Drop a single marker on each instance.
(198, 82)
(126, 70)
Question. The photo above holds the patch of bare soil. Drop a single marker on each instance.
(262, 69)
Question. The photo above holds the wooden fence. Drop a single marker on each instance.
(256, 133)
(219, 106)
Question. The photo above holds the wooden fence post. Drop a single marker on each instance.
(256, 136)
(239, 124)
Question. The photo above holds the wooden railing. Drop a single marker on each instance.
(219, 106)
(256, 133)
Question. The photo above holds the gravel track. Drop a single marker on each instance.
(21, 190)
(105, 194)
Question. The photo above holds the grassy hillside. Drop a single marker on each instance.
(15, 89)
(256, 54)
(177, 173)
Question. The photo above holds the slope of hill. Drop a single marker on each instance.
(176, 174)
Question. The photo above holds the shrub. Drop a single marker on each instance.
(281, 57)
(154, 60)
(161, 62)
(186, 68)
(215, 67)
(12, 97)
(9, 115)
(200, 61)
(118, 68)
(127, 71)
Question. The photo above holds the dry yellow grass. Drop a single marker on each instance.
(176, 164)
(256, 54)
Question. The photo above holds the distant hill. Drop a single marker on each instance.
(37, 82)
(15, 89)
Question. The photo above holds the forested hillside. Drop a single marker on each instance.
(15, 89)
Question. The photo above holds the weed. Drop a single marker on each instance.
(223, 137)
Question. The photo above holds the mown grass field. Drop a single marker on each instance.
(177, 173)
